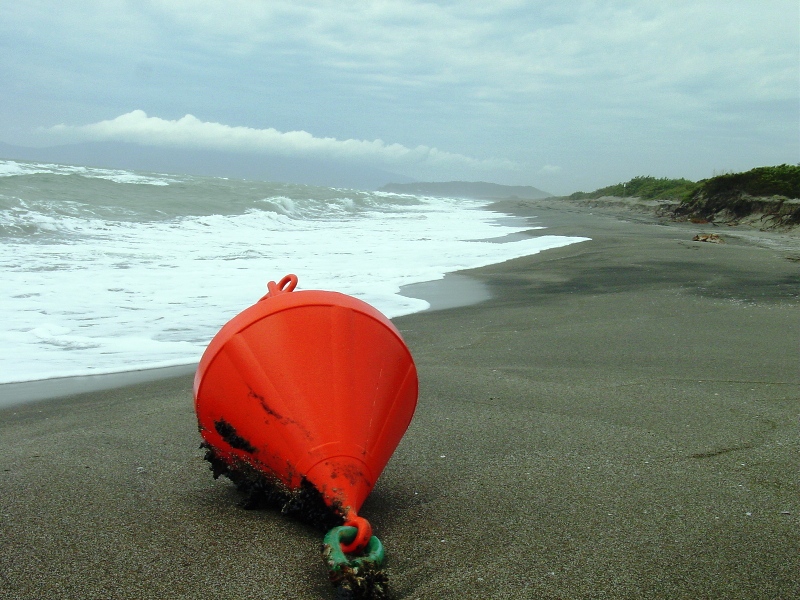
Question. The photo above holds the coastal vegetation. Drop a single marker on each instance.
(649, 188)
(770, 194)
(766, 190)
(783, 180)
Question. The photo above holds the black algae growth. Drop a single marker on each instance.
(263, 491)
(305, 503)
(361, 583)
(233, 439)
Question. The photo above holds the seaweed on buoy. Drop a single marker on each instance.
(233, 439)
(364, 583)
(261, 491)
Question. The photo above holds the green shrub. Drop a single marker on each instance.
(650, 188)
(738, 193)
(783, 180)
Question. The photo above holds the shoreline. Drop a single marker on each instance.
(620, 415)
(658, 212)
(22, 392)
(453, 290)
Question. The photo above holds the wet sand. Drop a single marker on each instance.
(621, 419)
(12, 394)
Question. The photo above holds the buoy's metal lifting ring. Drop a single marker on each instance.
(362, 537)
(287, 284)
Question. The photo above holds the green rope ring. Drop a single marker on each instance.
(337, 560)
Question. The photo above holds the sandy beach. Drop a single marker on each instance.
(619, 418)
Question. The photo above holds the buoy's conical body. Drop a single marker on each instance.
(308, 385)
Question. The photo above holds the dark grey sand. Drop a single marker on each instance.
(620, 420)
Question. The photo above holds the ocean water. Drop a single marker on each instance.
(110, 270)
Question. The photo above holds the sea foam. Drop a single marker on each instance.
(109, 271)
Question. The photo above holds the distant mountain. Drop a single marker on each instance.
(467, 189)
(119, 155)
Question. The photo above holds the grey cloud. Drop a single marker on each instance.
(706, 84)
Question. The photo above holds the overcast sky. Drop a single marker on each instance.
(564, 96)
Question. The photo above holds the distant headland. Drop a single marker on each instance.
(479, 190)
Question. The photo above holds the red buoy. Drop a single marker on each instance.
(308, 387)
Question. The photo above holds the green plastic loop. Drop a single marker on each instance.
(338, 561)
